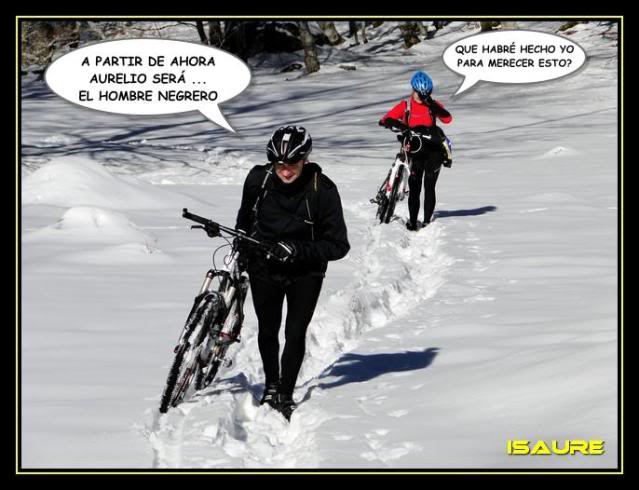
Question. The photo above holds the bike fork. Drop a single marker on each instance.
(207, 281)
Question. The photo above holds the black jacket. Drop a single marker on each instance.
(283, 215)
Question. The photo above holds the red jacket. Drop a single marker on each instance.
(419, 114)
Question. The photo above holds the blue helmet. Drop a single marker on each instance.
(422, 83)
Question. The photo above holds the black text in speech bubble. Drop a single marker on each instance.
(150, 76)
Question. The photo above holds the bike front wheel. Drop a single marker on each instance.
(206, 377)
(392, 200)
(186, 365)
(382, 207)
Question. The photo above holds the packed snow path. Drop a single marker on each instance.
(393, 279)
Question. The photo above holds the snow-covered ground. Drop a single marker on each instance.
(427, 350)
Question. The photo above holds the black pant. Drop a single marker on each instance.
(428, 170)
(268, 298)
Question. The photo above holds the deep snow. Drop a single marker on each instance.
(427, 350)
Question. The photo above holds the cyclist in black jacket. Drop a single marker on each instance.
(291, 204)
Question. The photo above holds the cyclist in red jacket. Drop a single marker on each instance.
(420, 112)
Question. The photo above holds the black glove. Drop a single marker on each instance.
(393, 124)
(284, 252)
(240, 245)
(435, 108)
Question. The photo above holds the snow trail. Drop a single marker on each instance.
(397, 271)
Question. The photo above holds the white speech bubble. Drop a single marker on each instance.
(513, 57)
(150, 76)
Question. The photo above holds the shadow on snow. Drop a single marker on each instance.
(359, 368)
(464, 212)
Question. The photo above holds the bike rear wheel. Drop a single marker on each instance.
(167, 394)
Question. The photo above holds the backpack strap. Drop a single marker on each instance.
(311, 198)
(408, 109)
(262, 193)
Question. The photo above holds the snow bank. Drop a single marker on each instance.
(79, 181)
(59, 140)
(247, 435)
(125, 254)
(559, 151)
(89, 224)
(98, 236)
(398, 272)
(217, 166)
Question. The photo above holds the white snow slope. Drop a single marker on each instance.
(427, 350)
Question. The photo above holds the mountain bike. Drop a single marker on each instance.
(395, 185)
(215, 320)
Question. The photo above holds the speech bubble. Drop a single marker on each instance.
(150, 76)
(512, 57)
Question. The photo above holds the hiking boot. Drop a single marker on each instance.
(410, 226)
(270, 394)
(286, 405)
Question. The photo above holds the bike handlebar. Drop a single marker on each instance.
(213, 229)
(430, 133)
(395, 124)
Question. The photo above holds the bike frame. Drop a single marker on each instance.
(395, 189)
(232, 289)
(395, 186)
(401, 160)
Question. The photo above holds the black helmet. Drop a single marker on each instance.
(289, 145)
